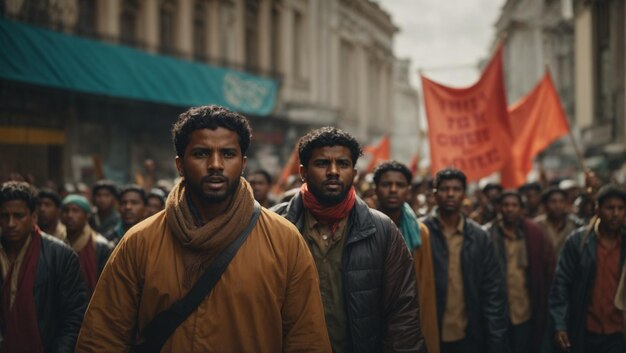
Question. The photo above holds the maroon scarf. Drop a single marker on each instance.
(328, 215)
(88, 265)
(21, 333)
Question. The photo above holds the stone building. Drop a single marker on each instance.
(601, 81)
(289, 65)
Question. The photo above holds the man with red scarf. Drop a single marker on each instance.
(367, 279)
(92, 248)
(43, 293)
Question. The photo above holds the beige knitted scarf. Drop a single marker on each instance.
(202, 244)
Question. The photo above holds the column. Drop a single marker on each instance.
(213, 26)
(264, 32)
(314, 52)
(239, 52)
(108, 23)
(150, 24)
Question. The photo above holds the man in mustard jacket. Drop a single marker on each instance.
(268, 298)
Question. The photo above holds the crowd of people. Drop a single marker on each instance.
(339, 262)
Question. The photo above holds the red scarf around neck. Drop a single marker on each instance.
(19, 322)
(88, 265)
(328, 215)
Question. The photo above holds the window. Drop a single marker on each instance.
(227, 21)
(300, 46)
(167, 22)
(128, 22)
(252, 33)
(275, 41)
(199, 30)
(603, 84)
(347, 83)
(86, 18)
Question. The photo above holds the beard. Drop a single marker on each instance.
(213, 197)
(329, 199)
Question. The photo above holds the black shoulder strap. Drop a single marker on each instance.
(164, 323)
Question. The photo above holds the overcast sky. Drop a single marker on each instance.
(445, 38)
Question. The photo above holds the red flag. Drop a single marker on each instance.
(291, 168)
(468, 128)
(380, 152)
(537, 120)
(413, 164)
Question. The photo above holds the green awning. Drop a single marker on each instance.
(42, 57)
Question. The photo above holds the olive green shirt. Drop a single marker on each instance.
(327, 251)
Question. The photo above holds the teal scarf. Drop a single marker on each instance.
(409, 227)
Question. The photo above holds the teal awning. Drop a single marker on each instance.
(42, 57)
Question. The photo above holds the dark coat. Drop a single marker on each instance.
(574, 279)
(60, 295)
(104, 248)
(483, 282)
(378, 279)
(539, 274)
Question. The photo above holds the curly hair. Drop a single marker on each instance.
(209, 117)
(392, 166)
(450, 174)
(19, 190)
(327, 137)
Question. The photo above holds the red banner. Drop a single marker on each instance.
(291, 168)
(468, 128)
(537, 120)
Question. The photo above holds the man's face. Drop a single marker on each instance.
(510, 209)
(555, 205)
(533, 198)
(329, 174)
(260, 186)
(16, 221)
(154, 205)
(492, 195)
(47, 211)
(104, 200)
(392, 190)
(449, 195)
(74, 218)
(132, 208)
(212, 164)
(612, 213)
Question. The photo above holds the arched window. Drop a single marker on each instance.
(128, 22)
(252, 33)
(199, 30)
(167, 23)
(86, 24)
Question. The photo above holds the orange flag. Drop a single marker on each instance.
(413, 164)
(537, 120)
(380, 152)
(291, 168)
(469, 128)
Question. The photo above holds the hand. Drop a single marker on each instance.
(561, 340)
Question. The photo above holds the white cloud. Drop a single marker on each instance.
(444, 34)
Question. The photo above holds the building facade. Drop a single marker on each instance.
(601, 81)
(332, 61)
(539, 35)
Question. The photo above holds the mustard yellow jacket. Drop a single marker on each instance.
(267, 300)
